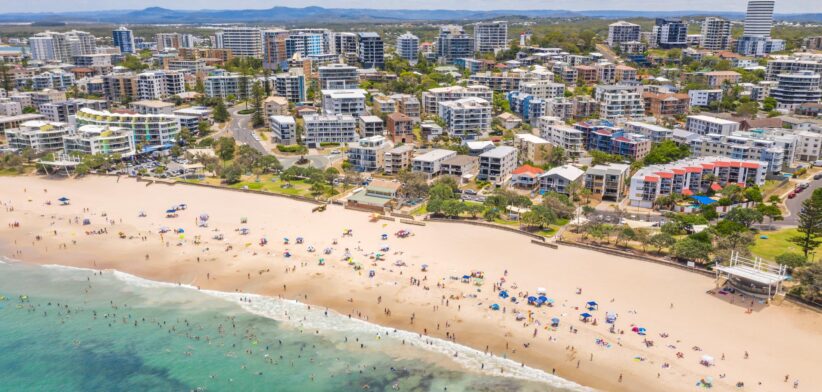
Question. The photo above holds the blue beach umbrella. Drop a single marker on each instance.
(503, 294)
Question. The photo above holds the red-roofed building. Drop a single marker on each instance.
(526, 176)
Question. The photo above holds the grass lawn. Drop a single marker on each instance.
(776, 244)
(298, 188)
(420, 210)
(13, 172)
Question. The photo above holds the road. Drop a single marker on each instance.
(795, 205)
(608, 53)
(241, 130)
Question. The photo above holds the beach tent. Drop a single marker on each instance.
(424, 267)
(585, 316)
(64, 200)
(592, 305)
(244, 231)
(495, 307)
(520, 316)
(707, 360)
(503, 294)
(532, 300)
(541, 291)
(466, 278)
(86, 221)
(384, 236)
(555, 322)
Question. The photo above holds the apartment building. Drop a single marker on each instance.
(621, 105)
(39, 136)
(338, 77)
(463, 167)
(400, 128)
(490, 37)
(622, 31)
(152, 107)
(283, 129)
(653, 132)
(632, 146)
(275, 106)
(716, 34)
(150, 130)
(96, 139)
(808, 146)
(291, 85)
(497, 165)
(532, 148)
(398, 158)
(797, 88)
(607, 182)
(228, 84)
(432, 97)
(720, 78)
(666, 104)
(167, 41)
(371, 50)
(570, 139)
(789, 65)
(466, 118)
(407, 104)
(243, 41)
(703, 125)
(527, 106)
(368, 154)
(703, 98)
(335, 128)
(503, 82)
(408, 47)
(123, 39)
(383, 104)
(11, 108)
(350, 101)
(452, 43)
(778, 151)
(430, 163)
(692, 176)
(545, 89)
(62, 111)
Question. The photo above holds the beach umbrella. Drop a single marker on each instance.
(549, 300)
(503, 294)
(585, 315)
(554, 320)
(424, 267)
(495, 307)
(64, 199)
(541, 290)
(532, 299)
(180, 230)
(542, 298)
(170, 211)
(204, 217)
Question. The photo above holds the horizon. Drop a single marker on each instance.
(58, 6)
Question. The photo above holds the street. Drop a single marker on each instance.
(795, 205)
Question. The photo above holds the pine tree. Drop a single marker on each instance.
(220, 112)
(810, 223)
(257, 96)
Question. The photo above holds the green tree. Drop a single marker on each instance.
(665, 152)
(810, 223)
(257, 97)
(225, 148)
(791, 260)
(452, 207)
(744, 216)
(232, 174)
(769, 103)
(747, 110)
(220, 112)
(691, 249)
(810, 278)
(770, 211)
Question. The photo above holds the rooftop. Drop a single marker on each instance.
(499, 152)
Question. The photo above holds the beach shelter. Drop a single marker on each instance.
(424, 267)
(555, 322)
(541, 291)
(63, 200)
(503, 294)
(180, 231)
(520, 316)
(244, 231)
(585, 316)
(532, 300)
(707, 360)
(466, 279)
(86, 221)
(592, 305)
(610, 318)
(384, 236)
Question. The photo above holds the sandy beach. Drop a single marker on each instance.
(760, 348)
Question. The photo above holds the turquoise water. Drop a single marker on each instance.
(82, 331)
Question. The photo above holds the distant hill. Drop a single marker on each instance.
(158, 15)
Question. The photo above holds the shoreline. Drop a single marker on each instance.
(447, 252)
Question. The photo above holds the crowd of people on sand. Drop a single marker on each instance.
(536, 318)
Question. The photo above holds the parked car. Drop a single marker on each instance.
(804, 185)
(818, 176)
(818, 163)
(791, 195)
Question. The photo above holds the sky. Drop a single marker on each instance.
(782, 6)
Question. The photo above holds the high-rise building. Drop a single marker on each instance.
(305, 44)
(371, 50)
(124, 39)
(490, 36)
(716, 34)
(166, 41)
(407, 47)
(243, 41)
(622, 31)
(670, 33)
(64, 46)
(338, 76)
(453, 44)
(759, 18)
(274, 52)
(797, 88)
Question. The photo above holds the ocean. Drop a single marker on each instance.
(72, 329)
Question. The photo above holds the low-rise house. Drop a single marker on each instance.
(532, 148)
(371, 126)
(376, 196)
(526, 176)
(559, 179)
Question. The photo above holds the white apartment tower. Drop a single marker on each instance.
(243, 41)
(622, 31)
(491, 36)
(759, 18)
(716, 34)
(407, 47)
